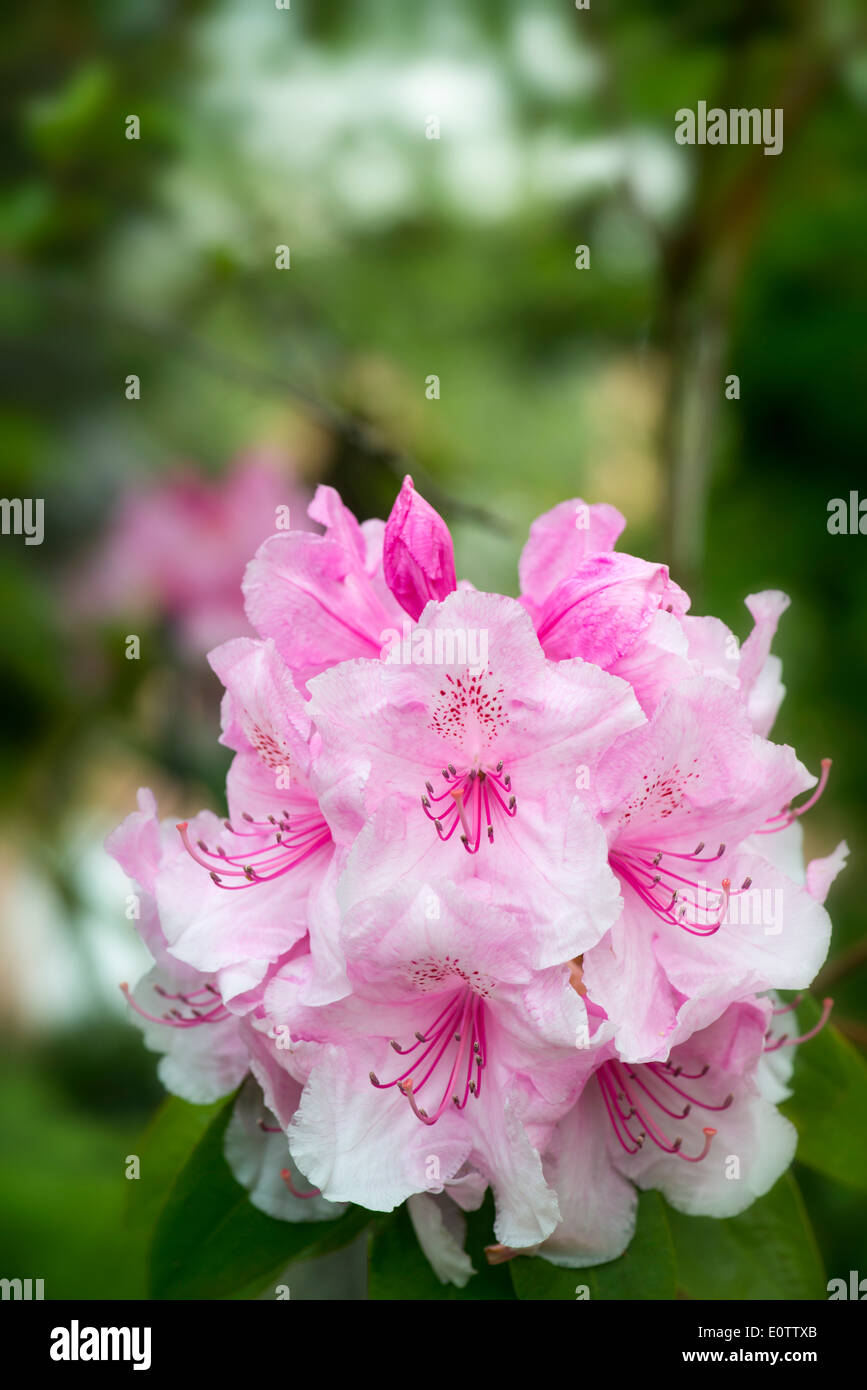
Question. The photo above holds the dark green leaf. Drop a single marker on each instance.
(400, 1271)
(769, 1251)
(829, 1105)
(210, 1242)
(163, 1150)
(646, 1270)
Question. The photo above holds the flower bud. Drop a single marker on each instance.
(418, 558)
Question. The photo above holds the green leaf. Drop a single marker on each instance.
(646, 1270)
(163, 1150)
(399, 1270)
(769, 1251)
(829, 1105)
(210, 1242)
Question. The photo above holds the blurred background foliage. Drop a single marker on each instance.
(410, 256)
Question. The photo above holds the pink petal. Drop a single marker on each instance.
(418, 556)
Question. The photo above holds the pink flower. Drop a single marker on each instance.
(418, 557)
(631, 619)
(451, 1050)
(257, 1152)
(177, 547)
(180, 1008)
(678, 1126)
(322, 599)
(560, 541)
(707, 917)
(501, 890)
(476, 766)
(240, 898)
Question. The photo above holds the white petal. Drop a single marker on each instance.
(442, 1243)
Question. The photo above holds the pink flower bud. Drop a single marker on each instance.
(418, 557)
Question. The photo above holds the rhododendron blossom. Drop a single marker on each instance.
(505, 914)
(176, 548)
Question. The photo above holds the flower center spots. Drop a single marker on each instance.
(432, 974)
(450, 1053)
(469, 713)
(661, 793)
(271, 748)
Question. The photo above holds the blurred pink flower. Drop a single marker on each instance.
(177, 547)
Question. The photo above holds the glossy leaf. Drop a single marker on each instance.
(769, 1251)
(210, 1242)
(646, 1270)
(829, 1104)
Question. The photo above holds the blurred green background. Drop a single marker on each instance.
(410, 257)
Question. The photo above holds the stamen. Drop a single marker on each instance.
(174, 1018)
(469, 802)
(616, 1093)
(787, 1008)
(786, 1041)
(708, 1133)
(693, 1100)
(791, 813)
(288, 846)
(459, 1026)
(287, 1178)
(680, 905)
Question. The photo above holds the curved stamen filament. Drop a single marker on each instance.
(658, 1072)
(697, 857)
(468, 802)
(649, 878)
(708, 1133)
(659, 1138)
(687, 1075)
(787, 1008)
(460, 1022)
(293, 842)
(174, 1018)
(674, 1114)
(408, 1086)
(791, 813)
(191, 997)
(287, 1178)
(616, 1117)
(616, 1089)
(785, 1041)
(450, 1008)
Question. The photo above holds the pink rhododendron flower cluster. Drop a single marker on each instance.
(505, 892)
